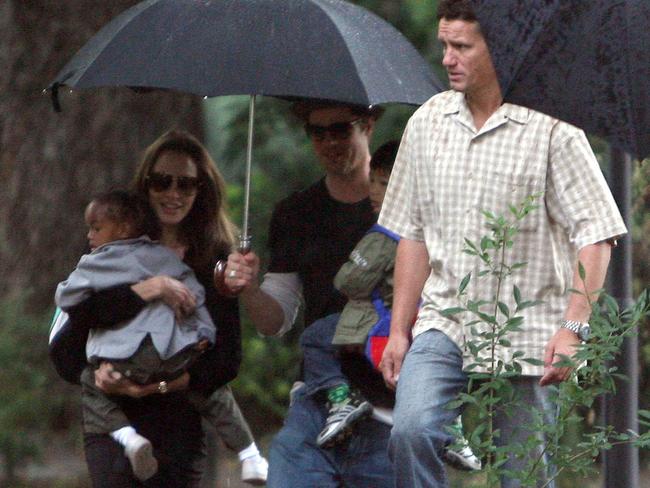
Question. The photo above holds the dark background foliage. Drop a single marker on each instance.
(51, 163)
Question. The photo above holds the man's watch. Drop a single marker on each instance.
(581, 329)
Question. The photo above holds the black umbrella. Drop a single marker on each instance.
(586, 62)
(583, 61)
(323, 49)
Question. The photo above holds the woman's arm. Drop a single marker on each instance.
(219, 364)
(105, 308)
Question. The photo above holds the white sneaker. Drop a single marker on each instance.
(297, 385)
(254, 470)
(459, 455)
(463, 459)
(341, 419)
(139, 452)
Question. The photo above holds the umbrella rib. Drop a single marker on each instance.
(329, 16)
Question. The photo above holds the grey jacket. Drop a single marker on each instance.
(131, 261)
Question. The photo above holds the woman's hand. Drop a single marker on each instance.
(113, 382)
(174, 293)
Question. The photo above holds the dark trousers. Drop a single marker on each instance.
(174, 428)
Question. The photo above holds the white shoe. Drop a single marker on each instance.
(254, 470)
(341, 419)
(139, 452)
(297, 385)
(463, 459)
(459, 455)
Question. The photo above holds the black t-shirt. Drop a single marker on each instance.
(313, 234)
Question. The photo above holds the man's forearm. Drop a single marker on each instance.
(595, 260)
(263, 310)
(411, 271)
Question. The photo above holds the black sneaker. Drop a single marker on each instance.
(341, 419)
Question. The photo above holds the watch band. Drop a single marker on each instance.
(573, 325)
(581, 329)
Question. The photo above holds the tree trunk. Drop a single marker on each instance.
(51, 163)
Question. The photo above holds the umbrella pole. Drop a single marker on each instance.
(245, 238)
(219, 272)
(621, 467)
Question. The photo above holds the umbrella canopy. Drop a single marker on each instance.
(326, 49)
(583, 61)
(321, 49)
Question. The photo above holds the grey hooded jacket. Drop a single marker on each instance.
(131, 261)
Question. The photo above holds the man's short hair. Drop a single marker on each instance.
(456, 10)
(302, 108)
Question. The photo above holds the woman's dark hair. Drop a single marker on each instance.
(456, 10)
(206, 230)
(384, 157)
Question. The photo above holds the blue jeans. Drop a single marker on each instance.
(431, 377)
(322, 369)
(296, 461)
(294, 458)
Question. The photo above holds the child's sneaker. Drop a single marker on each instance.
(459, 455)
(139, 452)
(341, 418)
(254, 470)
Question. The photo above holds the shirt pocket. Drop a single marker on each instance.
(505, 190)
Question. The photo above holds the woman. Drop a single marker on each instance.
(187, 195)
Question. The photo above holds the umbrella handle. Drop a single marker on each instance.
(219, 273)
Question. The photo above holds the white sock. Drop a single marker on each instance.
(123, 435)
(250, 451)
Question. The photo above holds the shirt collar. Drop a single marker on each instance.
(456, 104)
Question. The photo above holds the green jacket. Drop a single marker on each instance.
(370, 265)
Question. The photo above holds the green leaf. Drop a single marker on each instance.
(581, 271)
(533, 361)
(449, 312)
(464, 283)
(504, 309)
(516, 292)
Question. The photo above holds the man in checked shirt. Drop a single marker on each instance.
(462, 152)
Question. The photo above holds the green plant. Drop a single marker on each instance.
(491, 321)
(23, 396)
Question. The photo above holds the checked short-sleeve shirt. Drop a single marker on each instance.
(446, 173)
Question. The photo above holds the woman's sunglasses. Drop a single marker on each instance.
(159, 182)
(338, 131)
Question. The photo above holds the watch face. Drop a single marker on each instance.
(584, 333)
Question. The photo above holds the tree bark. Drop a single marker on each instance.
(52, 163)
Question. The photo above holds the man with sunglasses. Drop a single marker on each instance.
(311, 235)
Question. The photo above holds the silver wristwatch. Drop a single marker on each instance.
(581, 329)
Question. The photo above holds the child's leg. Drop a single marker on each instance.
(103, 416)
(459, 454)
(322, 369)
(222, 412)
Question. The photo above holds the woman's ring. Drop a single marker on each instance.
(232, 273)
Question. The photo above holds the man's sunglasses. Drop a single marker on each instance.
(159, 182)
(339, 130)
